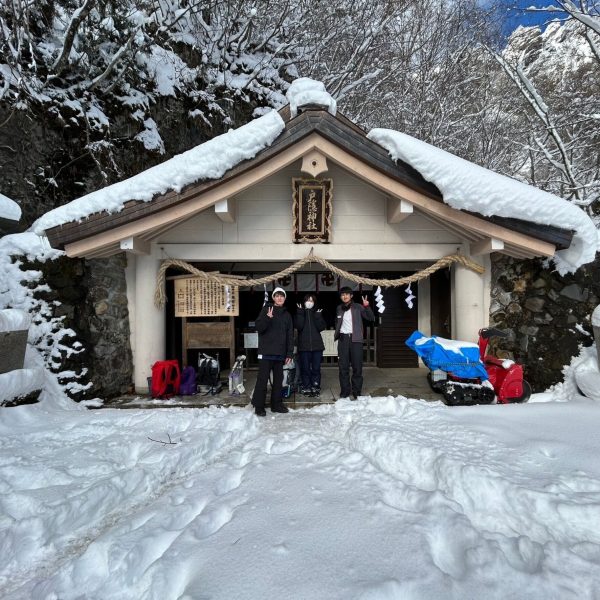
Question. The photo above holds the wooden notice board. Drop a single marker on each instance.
(197, 297)
(213, 335)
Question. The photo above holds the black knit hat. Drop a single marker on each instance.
(345, 290)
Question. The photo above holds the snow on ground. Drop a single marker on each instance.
(376, 499)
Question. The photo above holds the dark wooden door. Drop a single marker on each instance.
(440, 304)
(397, 323)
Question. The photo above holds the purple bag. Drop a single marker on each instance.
(187, 386)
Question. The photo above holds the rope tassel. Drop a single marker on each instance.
(442, 263)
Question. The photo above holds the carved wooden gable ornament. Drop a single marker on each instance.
(312, 210)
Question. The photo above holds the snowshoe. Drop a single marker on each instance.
(236, 377)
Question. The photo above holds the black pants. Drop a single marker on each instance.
(350, 353)
(310, 368)
(265, 366)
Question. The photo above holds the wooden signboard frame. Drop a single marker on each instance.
(208, 335)
(312, 210)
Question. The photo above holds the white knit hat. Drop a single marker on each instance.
(278, 290)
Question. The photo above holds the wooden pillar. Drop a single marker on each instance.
(150, 322)
(468, 292)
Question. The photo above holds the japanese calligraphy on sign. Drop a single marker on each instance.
(196, 297)
(312, 210)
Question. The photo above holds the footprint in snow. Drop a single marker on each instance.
(280, 548)
(229, 482)
(546, 452)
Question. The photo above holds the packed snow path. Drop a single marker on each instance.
(380, 498)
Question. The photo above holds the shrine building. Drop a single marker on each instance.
(319, 184)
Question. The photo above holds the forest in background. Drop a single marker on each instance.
(112, 77)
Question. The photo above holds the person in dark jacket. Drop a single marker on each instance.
(275, 347)
(349, 336)
(310, 322)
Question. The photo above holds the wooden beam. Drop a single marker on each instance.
(135, 245)
(486, 246)
(292, 252)
(398, 210)
(225, 210)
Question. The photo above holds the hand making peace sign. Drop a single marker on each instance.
(270, 312)
(365, 301)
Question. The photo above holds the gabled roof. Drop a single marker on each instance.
(339, 131)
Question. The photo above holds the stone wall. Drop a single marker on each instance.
(91, 297)
(105, 330)
(546, 315)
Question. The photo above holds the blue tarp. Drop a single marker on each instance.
(464, 362)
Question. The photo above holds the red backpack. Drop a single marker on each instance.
(165, 378)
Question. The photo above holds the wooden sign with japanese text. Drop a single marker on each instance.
(196, 297)
(312, 210)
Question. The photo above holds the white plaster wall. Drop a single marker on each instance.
(264, 216)
(262, 230)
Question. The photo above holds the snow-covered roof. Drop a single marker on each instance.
(210, 160)
(467, 186)
(464, 185)
(306, 92)
(9, 209)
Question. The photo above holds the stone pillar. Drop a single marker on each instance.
(149, 322)
(468, 301)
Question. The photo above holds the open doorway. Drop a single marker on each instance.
(384, 339)
(441, 324)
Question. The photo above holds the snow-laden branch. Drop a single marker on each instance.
(78, 16)
(115, 59)
(539, 106)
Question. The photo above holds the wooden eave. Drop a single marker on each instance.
(340, 132)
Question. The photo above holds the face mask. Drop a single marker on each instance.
(309, 304)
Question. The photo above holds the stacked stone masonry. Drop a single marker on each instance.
(547, 316)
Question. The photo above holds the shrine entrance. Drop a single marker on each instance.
(228, 337)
